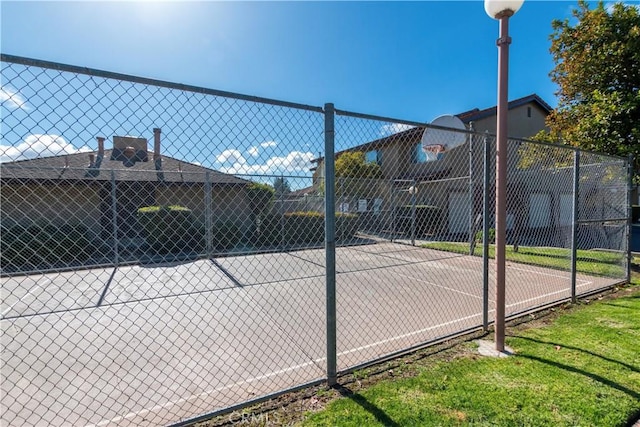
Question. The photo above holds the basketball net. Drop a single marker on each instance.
(433, 150)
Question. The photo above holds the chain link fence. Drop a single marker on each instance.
(168, 253)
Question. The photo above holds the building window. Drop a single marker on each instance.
(419, 156)
(373, 156)
(528, 111)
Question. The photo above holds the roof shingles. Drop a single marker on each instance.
(76, 167)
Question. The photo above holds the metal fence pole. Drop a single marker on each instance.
(114, 218)
(629, 214)
(574, 223)
(393, 210)
(207, 214)
(471, 197)
(414, 191)
(283, 242)
(485, 237)
(330, 241)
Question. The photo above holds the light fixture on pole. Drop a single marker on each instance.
(501, 10)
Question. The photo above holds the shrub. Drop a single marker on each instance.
(269, 230)
(492, 236)
(170, 229)
(303, 227)
(261, 197)
(346, 225)
(276, 229)
(225, 235)
(44, 245)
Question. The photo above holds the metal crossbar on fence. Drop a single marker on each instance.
(172, 252)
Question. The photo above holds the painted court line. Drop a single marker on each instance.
(539, 273)
(440, 286)
(314, 362)
(38, 286)
(409, 334)
(548, 295)
(200, 395)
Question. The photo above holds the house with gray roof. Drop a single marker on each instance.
(103, 190)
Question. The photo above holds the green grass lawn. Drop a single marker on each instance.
(600, 263)
(581, 369)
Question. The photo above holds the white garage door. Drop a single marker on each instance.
(566, 209)
(459, 209)
(539, 210)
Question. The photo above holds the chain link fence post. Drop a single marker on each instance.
(207, 214)
(485, 235)
(330, 241)
(574, 223)
(283, 240)
(393, 210)
(114, 220)
(414, 191)
(471, 195)
(630, 162)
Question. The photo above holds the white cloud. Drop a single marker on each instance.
(394, 128)
(231, 157)
(295, 161)
(232, 161)
(38, 145)
(12, 99)
(254, 151)
(267, 144)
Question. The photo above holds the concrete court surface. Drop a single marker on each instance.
(150, 345)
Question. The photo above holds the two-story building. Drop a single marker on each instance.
(539, 197)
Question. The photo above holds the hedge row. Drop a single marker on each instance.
(174, 229)
(303, 227)
(44, 246)
(168, 229)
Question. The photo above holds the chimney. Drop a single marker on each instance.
(156, 144)
(66, 161)
(100, 146)
(92, 160)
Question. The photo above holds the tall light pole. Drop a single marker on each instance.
(501, 10)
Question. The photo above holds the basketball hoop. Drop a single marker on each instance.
(434, 148)
(443, 137)
(433, 151)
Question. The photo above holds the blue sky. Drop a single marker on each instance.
(405, 60)
(411, 60)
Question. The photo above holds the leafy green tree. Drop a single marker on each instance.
(597, 57)
(354, 174)
(544, 156)
(260, 197)
(352, 164)
(281, 186)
